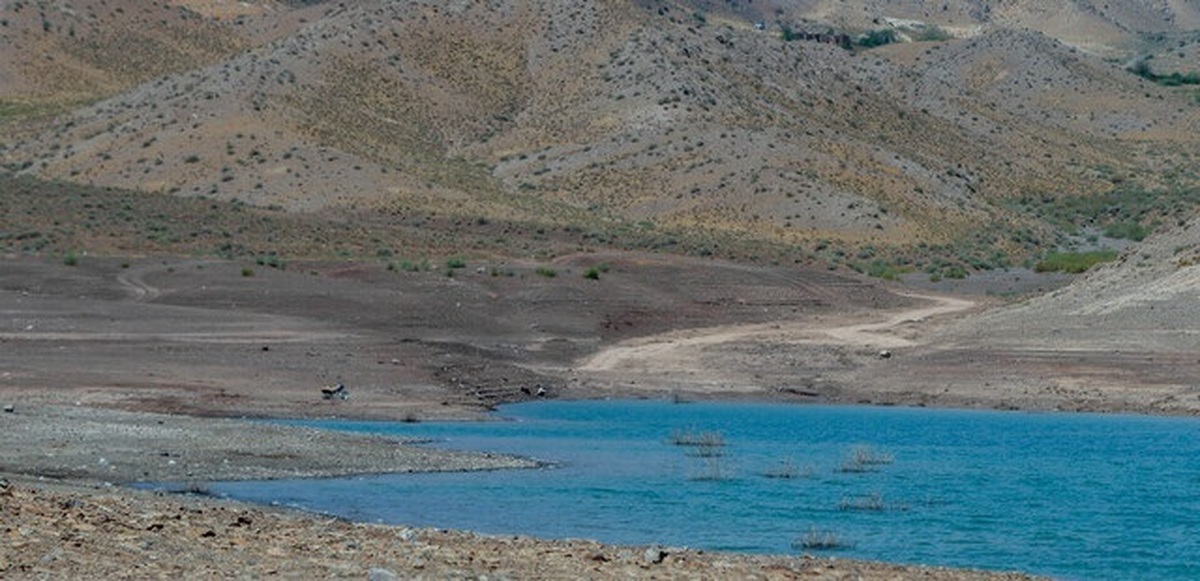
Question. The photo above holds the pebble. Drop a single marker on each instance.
(381, 574)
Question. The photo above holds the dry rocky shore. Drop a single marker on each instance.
(79, 532)
(64, 513)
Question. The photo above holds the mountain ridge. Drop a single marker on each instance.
(615, 114)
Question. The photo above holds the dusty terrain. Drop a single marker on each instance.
(102, 357)
(212, 337)
(211, 211)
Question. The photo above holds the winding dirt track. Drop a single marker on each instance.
(878, 334)
(138, 288)
(199, 326)
(676, 346)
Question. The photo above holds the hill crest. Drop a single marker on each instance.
(614, 114)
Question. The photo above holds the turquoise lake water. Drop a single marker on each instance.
(1074, 496)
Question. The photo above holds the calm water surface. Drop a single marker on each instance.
(1072, 496)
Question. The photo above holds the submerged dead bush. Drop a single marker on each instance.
(872, 502)
(820, 540)
(864, 459)
(788, 470)
(708, 450)
(697, 439)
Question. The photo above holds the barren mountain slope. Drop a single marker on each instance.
(1144, 301)
(549, 112)
(1024, 83)
(1101, 26)
(77, 50)
(1122, 338)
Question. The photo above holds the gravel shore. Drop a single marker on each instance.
(87, 444)
(80, 533)
(65, 515)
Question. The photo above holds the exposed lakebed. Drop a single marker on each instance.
(1068, 495)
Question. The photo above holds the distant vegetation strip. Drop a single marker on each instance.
(61, 218)
(1142, 69)
(1074, 262)
(1127, 212)
(917, 32)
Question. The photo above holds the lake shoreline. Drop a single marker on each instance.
(892, 484)
(92, 492)
(71, 509)
(204, 345)
(74, 530)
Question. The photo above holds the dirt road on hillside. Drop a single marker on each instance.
(682, 349)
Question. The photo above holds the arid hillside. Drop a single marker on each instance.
(1105, 27)
(1121, 338)
(1145, 300)
(677, 126)
(62, 55)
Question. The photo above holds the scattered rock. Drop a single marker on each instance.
(381, 574)
(9, 408)
(89, 534)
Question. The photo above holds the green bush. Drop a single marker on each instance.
(272, 260)
(876, 38)
(408, 266)
(1073, 262)
(594, 272)
(547, 272)
(1127, 230)
(882, 269)
(930, 33)
(456, 262)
